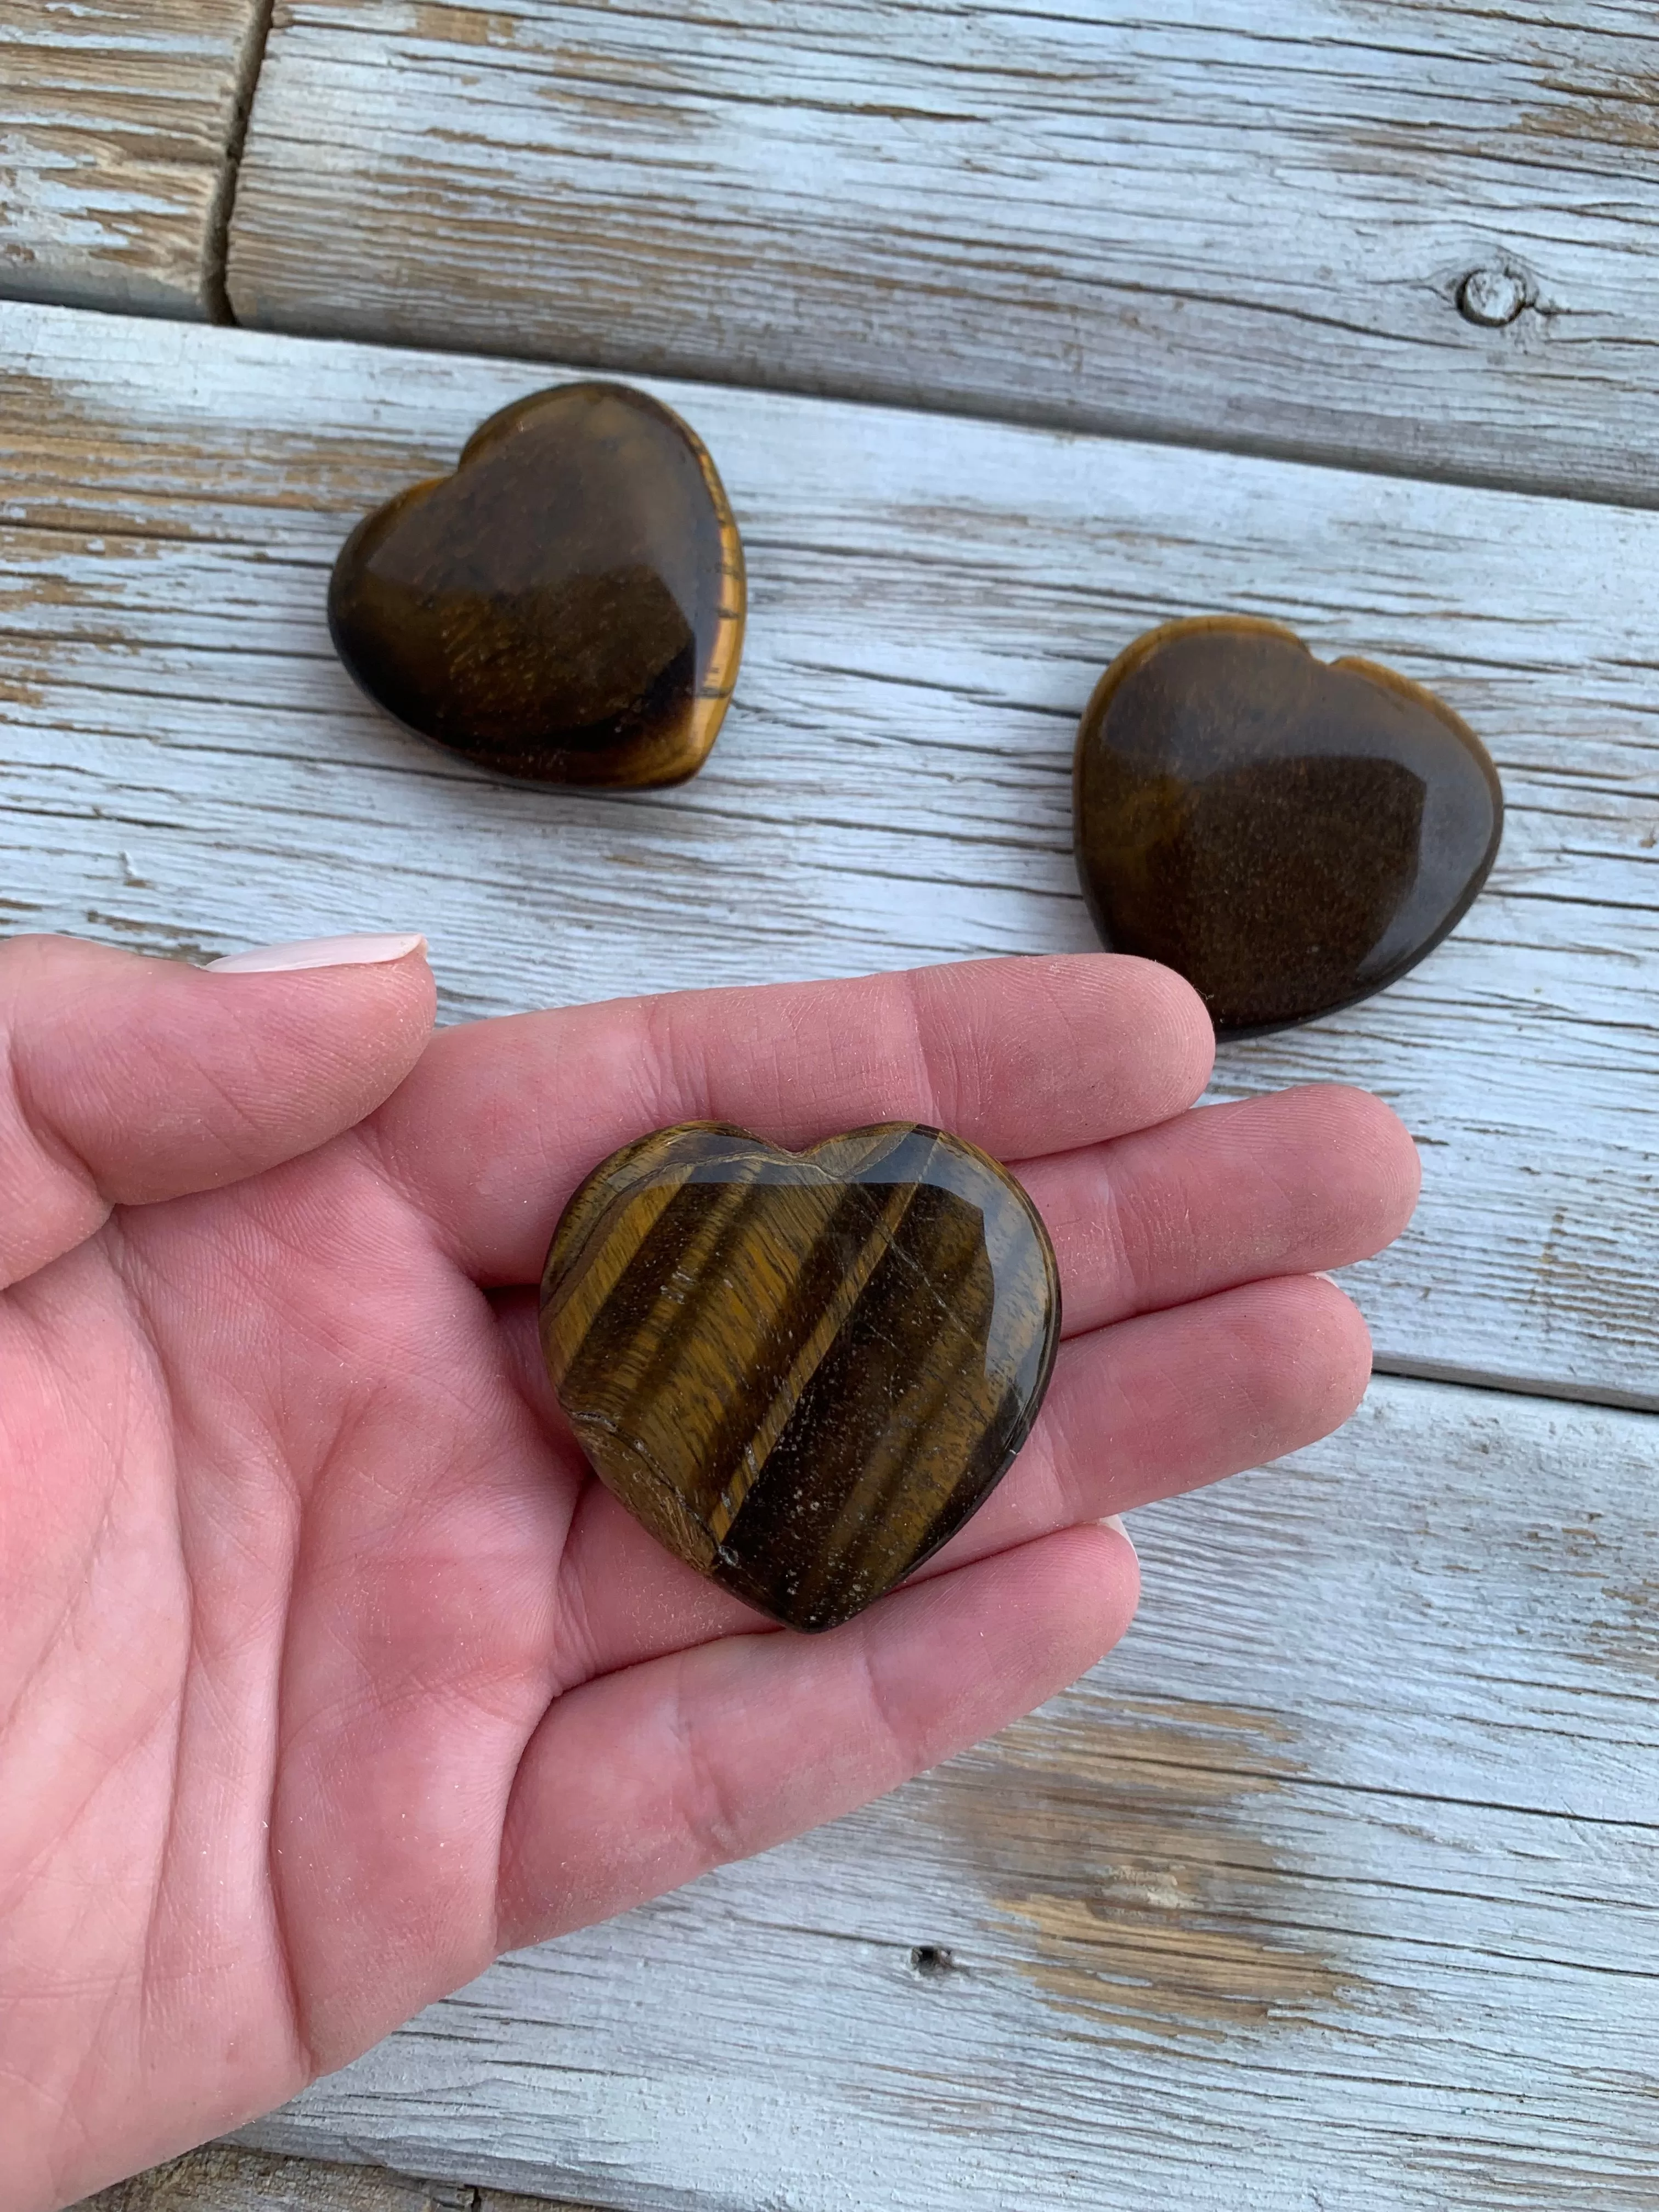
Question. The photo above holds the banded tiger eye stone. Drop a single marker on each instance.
(568, 607)
(1290, 836)
(802, 1371)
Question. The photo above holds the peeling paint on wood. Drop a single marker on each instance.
(1333, 1889)
(118, 121)
(186, 764)
(1230, 226)
(1174, 1927)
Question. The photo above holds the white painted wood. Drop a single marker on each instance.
(117, 122)
(1332, 1891)
(1235, 224)
(186, 766)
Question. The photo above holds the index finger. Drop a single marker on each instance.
(503, 1118)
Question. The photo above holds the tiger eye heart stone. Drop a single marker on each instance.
(801, 1371)
(1290, 836)
(567, 608)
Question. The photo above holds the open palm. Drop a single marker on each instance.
(326, 1670)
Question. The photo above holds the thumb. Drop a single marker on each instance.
(125, 1080)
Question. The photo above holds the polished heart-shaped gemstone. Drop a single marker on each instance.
(801, 1371)
(567, 607)
(1290, 836)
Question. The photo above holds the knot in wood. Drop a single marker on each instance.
(1493, 297)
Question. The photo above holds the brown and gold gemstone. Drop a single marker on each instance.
(802, 1371)
(568, 607)
(1290, 836)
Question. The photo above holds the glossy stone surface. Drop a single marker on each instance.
(801, 1371)
(567, 607)
(1291, 835)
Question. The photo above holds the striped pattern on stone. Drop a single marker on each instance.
(802, 1371)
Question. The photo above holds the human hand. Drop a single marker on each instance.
(326, 1670)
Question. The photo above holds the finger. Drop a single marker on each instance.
(646, 1778)
(1284, 1185)
(1020, 1056)
(124, 1079)
(1151, 1407)
(1170, 1401)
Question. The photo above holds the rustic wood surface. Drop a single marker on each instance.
(1332, 1891)
(187, 766)
(224, 2179)
(118, 121)
(1409, 233)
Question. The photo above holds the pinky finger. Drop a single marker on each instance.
(643, 1779)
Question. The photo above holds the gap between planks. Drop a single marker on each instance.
(217, 260)
(1200, 228)
(121, 123)
(776, 196)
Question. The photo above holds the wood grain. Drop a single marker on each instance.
(1333, 1890)
(1296, 230)
(188, 768)
(118, 119)
(223, 2178)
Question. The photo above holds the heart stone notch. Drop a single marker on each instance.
(802, 1371)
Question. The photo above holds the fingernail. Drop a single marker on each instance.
(319, 953)
(1320, 1276)
(1115, 1521)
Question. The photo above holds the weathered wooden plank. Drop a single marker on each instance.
(223, 2178)
(117, 123)
(1297, 229)
(1333, 1888)
(186, 764)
